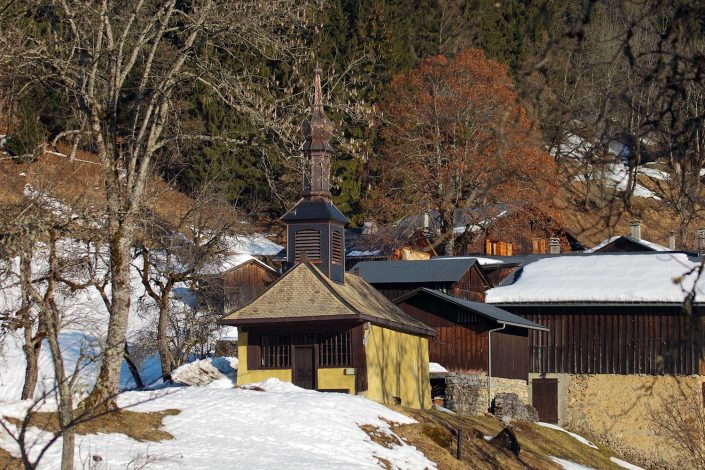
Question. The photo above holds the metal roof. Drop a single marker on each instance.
(314, 209)
(416, 271)
(488, 311)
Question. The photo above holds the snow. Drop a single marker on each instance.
(481, 260)
(623, 464)
(655, 174)
(616, 176)
(85, 319)
(574, 146)
(569, 465)
(652, 245)
(360, 253)
(573, 435)
(436, 367)
(205, 371)
(221, 426)
(255, 245)
(657, 277)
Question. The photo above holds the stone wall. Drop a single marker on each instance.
(467, 393)
(621, 411)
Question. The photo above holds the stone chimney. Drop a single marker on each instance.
(635, 229)
(369, 227)
(671, 240)
(554, 246)
(701, 241)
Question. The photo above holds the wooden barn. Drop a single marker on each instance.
(385, 243)
(616, 313)
(240, 284)
(466, 331)
(317, 326)
(632, 243)
(460, 277)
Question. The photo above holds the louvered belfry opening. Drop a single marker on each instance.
(315, 227)
(308, 243)
(337, 248)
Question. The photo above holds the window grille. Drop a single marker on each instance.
(275, 352)
(335, 350)
(308, 242)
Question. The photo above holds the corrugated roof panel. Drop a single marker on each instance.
(411, 272)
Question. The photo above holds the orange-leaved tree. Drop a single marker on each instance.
(455, 136)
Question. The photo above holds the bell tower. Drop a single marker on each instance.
(315, 227)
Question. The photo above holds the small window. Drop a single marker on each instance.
(275, 352)
(335, 350)
(336, 247)
(308, 243)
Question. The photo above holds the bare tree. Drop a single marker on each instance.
(173, 256)
(124, 66)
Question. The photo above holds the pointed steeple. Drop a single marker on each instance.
(315, 227)
(317, 129)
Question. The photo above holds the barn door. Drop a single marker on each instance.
(544, 397)
(304, 367)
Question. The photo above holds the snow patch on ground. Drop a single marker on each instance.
(569, 465)
(627, 465)
(654, 174)
(616, 176)
(572, 434)
(436, 367)
(221, 426)
(205, 371)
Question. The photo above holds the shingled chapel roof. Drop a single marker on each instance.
(305, 293)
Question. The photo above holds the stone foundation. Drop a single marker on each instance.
(622, 412)
(467, 393)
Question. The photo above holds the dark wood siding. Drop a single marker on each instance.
(510, 355)
(471, 286)
(243, 284)
(623, 339)
(461, 343)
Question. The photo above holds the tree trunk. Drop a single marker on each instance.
(52, 323)
(133, 368)
(163, 341)
(32, 348)
(108, 383)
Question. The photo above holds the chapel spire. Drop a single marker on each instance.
(317, 129)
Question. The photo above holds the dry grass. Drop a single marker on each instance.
(433, 437)
(8, 461)
(136, 425)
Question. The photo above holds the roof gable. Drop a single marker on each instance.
(304, 293)
(488, 311)
(626, 243)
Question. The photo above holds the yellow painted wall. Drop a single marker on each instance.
(397, 366)
(335, 379)
(245, 376)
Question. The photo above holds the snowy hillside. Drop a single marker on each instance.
(273, 425)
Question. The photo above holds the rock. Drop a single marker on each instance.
(205, 371)
(508, 405)
(506, 439)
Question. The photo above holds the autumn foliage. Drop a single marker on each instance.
(456, 136)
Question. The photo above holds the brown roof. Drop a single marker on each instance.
(305, 293)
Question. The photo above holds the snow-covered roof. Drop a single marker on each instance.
(648, 246)
(256, 245)
(613, 278)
